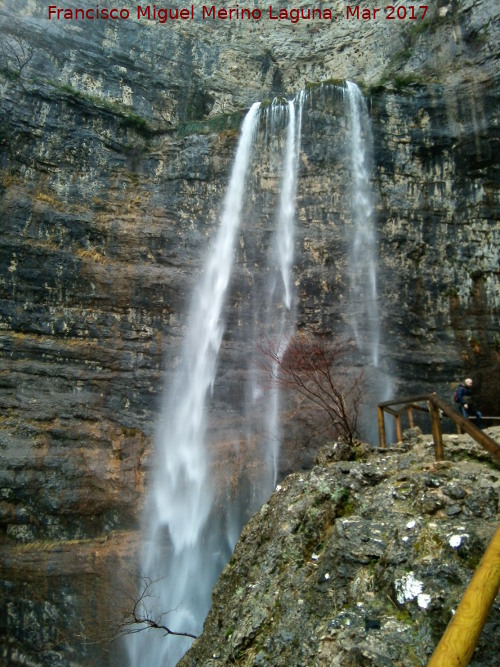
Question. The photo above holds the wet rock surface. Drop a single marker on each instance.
(352, 564)
(115, 148)
(62, 602)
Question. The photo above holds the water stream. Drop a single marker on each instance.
(363, 255)
(280, 317)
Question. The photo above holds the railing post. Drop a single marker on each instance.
(381, 427)
(410, 418)
(399, 432)
(461, 636)
(437, 434)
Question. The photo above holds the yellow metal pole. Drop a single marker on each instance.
(461, 636)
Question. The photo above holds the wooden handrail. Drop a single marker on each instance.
(462, 634)
(470, 428)
(408, 399)
(436, 406)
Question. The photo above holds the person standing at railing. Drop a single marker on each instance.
(465, 402)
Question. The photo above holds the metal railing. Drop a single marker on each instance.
(435, 407)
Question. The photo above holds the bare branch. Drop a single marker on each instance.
(15, 52)
(141, 618)
(311, 366)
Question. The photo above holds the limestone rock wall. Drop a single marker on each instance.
(438, 208)
(116, 141)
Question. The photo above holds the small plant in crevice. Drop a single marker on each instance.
(428, 543)
(128, 119)
(223, 124)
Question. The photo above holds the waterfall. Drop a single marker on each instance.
(286, 213)
(362, 260)
(177, 557)
(363, 265)
(281, 313)
(189, 535)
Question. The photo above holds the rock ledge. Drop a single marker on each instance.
(358, 562)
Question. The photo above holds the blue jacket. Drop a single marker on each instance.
(464, 394)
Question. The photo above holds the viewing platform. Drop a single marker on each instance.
(435, 407)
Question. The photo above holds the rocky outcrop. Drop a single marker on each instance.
(357, 562)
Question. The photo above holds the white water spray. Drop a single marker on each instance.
(280, 329)
(178, 556)
(363, 266)
(362, 261)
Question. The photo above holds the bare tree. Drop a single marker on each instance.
(16, 52)
(314, 367)
(141, 617)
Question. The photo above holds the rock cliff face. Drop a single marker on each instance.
(115, 145)
(357, 563)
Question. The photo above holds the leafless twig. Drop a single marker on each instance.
(16, 52)
(310, 365)
(141, 618)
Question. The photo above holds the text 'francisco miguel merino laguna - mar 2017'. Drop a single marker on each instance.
(237, 12)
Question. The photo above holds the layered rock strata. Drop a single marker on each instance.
(115, 145)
